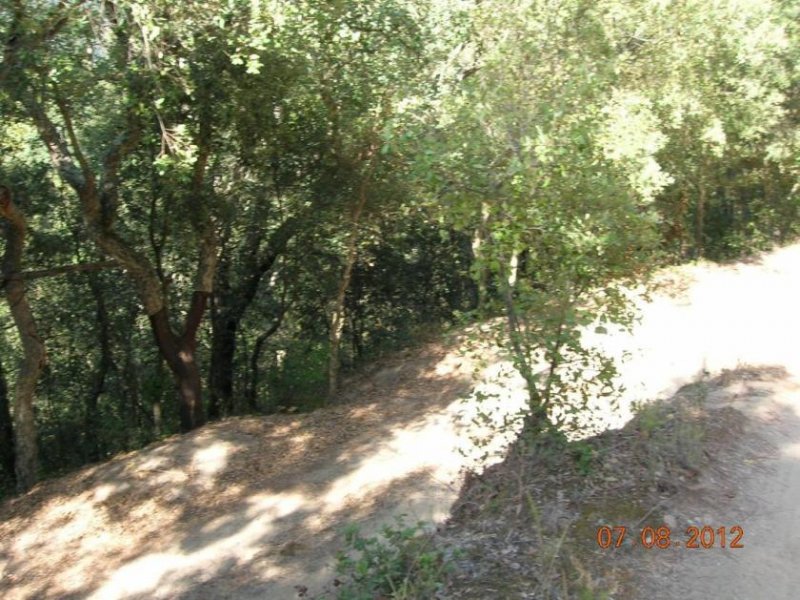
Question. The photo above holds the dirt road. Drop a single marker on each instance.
(733, 316)
(765, 505)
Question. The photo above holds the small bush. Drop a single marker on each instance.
(402, 563)
(583, 453)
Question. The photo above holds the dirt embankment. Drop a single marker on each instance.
(251, 507)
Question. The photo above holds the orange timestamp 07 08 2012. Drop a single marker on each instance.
(705, 537)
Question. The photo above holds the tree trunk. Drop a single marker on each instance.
(6, 429)
(251, 393)
(536, 420)
(92, 408)
(178, 350)
(337, 314)
(190, 390)
(157, 419)
(26, 443)
(179, 354)
(479, 238)
(130, 374)
(679, 233)
(225, 326)
(233, 299)
(337, 319)
(699, 225)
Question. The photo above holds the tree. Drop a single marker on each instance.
(26, 450)
(7, 459)
(518, 153)
(98, 187)
(367, 58)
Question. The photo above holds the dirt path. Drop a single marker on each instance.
(729, 317)
(251, 508)
(764, 503)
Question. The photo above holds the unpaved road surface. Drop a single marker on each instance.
(251, 508)
(759, 494)
(729, 317)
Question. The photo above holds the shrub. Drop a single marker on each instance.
(403, 563)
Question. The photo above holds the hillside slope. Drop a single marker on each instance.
(248, 507)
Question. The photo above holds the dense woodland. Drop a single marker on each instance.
(212, 208)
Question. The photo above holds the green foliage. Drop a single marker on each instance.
(297, 379)
(635, 125)
(584, 455)
(406, 280)
(402, 563)
(562, 206)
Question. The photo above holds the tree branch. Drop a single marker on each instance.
(55, 271)
(193, 319)
(123, 145)
(56, 146)
(88, 174)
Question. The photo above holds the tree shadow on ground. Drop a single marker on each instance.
(235, 506)
(528, 525)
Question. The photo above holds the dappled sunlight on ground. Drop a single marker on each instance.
(198, 514)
